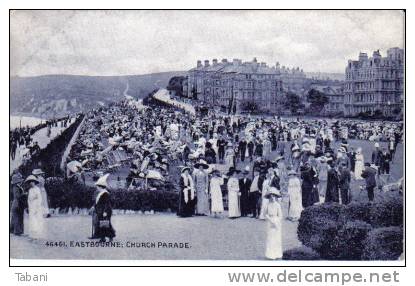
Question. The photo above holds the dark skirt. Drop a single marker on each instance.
(16, 220)
(101, 232)
(186, 209)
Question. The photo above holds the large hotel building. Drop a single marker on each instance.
(236, 85)
(375, 83)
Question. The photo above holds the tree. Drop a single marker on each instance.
(292, 102)
(317, 101)
(250, 107)
(176, 84)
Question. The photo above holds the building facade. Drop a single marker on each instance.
(236, 86)
(375, 84)
(335, 95)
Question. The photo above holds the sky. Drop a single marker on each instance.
(139, 42)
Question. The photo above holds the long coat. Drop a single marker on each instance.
(244, 187)
(308, 177)
(17, 210)
(332, 192)
(186, 199)
(102, 212)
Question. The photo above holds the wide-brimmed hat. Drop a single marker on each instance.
(342, 150)
(184, 169)
(102, 181)
(17, 178)
(202, 163)
(31, 178)
(37, 172)
(273, 192)
(246, 170)
(232, 171)
(215, 173)
(279, 158)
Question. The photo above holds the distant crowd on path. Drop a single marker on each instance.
(23, 136)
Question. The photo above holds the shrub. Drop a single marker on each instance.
(356, 211)
(384, 243)
(65, 193)
(388, 212)
(349, 241)
(318, 225)
(300, 253)
(339, 232)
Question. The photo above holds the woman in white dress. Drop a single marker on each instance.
(37, 222)
(295, 206)
(233, 194)
(45, 202)
(273, 215)
(216, 193)
(359, 165)
(229, 156)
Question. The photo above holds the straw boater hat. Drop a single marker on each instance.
(37, 172)
(31, 178)
(215, 172)
(102, 181)
(246, 170)
(17, 178)
(202, 163)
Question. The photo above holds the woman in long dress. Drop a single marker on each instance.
(37, 223)
(201, 181)
(273, 215)
(295, 206)
(359, 165)
(45, 202)
(229, 156)
(187, 194)
(101, 219)
(233, 194)
(216, 193)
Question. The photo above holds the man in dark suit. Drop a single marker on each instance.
(344, 184)
(332, 191)
(244, 188)
(221, 143)
(369, 174)
(242, 148)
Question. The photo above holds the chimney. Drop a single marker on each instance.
(206, 63)
(199, 63)
(362, 57)
(214, 61)
(224, 61)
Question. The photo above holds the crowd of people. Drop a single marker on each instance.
(219, 162)
(22, 137)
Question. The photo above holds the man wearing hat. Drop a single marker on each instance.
(45, 201)
(18, 205)
(369, 174)
(244, 187)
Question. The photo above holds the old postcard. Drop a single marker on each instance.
(254, 135)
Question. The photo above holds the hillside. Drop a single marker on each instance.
(56, 95)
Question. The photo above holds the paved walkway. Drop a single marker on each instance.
(43, 140)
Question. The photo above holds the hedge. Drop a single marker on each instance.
(337, 231)
(65, 194)
(384, 243)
